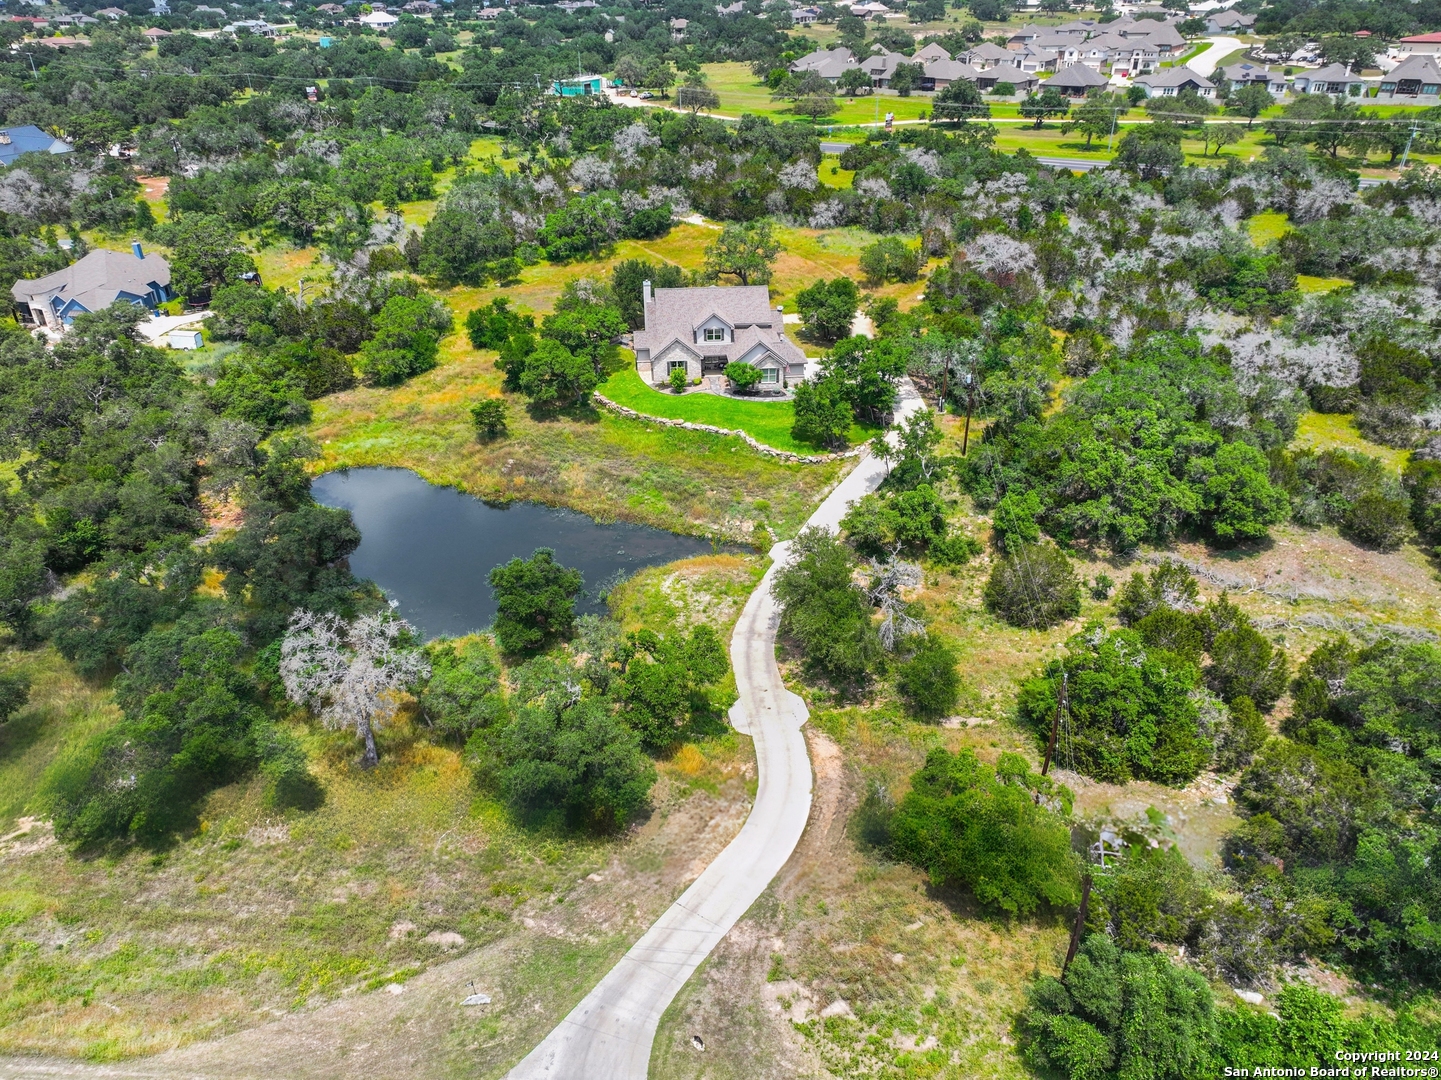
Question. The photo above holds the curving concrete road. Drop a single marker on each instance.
(1221, 47)
(609, 1034)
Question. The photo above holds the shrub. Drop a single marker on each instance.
(677, 380)
(745, 376)
(463, 693)
(1245, 665)
(928, 682)
(983, 829)
(1244, 734)
(1131, 709)
(488, 416)
(1178, 632)
(1014, 522)
(1169, 585)
(825, 611)
(1033, 587)
(1378, 519)
(1123, 1014)
(14, 693)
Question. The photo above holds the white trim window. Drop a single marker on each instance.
(675, 365)
(770, 375)
(714, 333)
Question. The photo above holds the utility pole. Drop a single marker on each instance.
(970, 403)
(1404, 156)
(1061, 704)
(1080, 923)
(1111, 137)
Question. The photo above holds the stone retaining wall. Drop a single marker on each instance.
(784, 455)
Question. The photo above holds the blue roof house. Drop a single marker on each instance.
(28, 139)
(93, 283)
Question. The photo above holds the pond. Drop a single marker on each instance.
(431, 548)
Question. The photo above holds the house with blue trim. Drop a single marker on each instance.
(93, 283)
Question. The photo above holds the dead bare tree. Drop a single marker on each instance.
(890, 578)
(349, 673)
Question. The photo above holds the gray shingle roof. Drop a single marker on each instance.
(1419, 66)
(97, 280)
(676, 314)
(1174, 77)
(1077, 76)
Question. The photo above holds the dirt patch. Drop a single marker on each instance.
(153, 188)
(1194, 818)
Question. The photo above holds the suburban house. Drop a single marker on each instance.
(378, 20)
(829, 64)
(1033, 58)
(1076, 80)
(1229, 22)
(28, 139)
(1332, 79)
(701, 330)
(678, 29)
(93, 283)
(1246, 74)
(985, 55)
(1168, 82)
(941, 73)
(933, 51)
(1414, 81)
(1429, 44)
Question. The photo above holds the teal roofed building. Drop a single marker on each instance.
(579, 86)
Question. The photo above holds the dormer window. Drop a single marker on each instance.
(714, 333)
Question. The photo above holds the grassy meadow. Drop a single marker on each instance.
(406, 875)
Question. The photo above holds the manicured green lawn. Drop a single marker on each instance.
(769, 422)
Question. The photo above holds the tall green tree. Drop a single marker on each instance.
(535, 601)
(984, 829)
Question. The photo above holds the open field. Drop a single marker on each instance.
(314, 940)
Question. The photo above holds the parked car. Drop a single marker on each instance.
(647, 96)
(634, 93)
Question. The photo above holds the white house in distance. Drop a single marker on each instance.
(701, 330)
(92, 284)
(378, 20)
(1334, 79)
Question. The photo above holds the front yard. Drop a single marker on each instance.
(768, 422)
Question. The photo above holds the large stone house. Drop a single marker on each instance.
(93, 283)
(702, 330)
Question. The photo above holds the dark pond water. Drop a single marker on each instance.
(430, 548)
